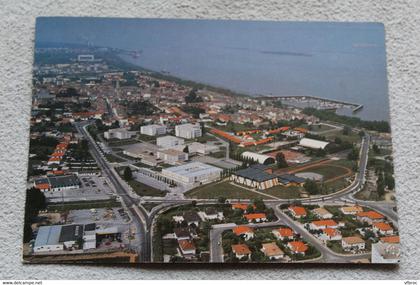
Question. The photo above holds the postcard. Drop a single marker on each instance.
(209, 141)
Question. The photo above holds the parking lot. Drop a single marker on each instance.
(92, 188)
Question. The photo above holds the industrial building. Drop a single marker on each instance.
(153, 130)
(120, 133)
(193, 174)
(188, 131)
(259, 158)
(169, 142)
(314, 144)
(57, 183)
(255, 177)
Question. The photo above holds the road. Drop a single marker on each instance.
(138, 214)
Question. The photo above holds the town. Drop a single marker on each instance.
(130, 165)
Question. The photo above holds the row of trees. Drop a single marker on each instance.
(35, 201)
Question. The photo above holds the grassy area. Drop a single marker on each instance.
(283, 192)
(335, 246)
(67, 206)
(328, 171)
(352, 137)
(112, 158)
(145, 190)
(222, 189)
(320, 128)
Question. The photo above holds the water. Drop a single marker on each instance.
(342, 61)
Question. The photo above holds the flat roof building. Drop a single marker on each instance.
(172, 156)
(188, 131)
(169, 142)
(153, 130)
(120, 133)
(193, 174)
(57, 183)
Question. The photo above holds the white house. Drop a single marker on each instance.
(120, 133)
(322, 213)
(382, 228)
(323, 224)
(330, 234)
(244, 231)
(272, 251)
(353, 243)
(283, 233)
(241, 250)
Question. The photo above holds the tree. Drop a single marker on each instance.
(389, 181)
(380, 185)
(35, 201)
(281, 160)
(186, 150)
(353, 154)
(221, 200)
(128, 174)
(259, 205)
(376, 149)
(346, 130)
(311, 187)
(192, 97)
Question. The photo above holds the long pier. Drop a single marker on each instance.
(317, 102)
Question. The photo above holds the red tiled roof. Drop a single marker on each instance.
(298, 246)
(383, 226)
(186, 245)
(285, 232)
(239, 230)
(391, 239)
(330, 232)
(300, 211)
(255, 216)
(326, 223)
(371, 215)
(241, 249)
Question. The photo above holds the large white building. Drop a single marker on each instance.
(193, 174)
(258, 157)
(169, 142)
(120, 133)
(199, 148)
(314, 144)
(385, 252)
(153, 130)
(188, 131)
(172, 156)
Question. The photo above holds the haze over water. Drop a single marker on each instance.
(343, 61)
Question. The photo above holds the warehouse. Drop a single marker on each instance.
(314, 144)
(255, 178)
(57, 183)
(257, 157)
(193, 174)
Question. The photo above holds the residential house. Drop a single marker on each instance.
(241, 251)
(244, 231)
(297, 247)
(323, 224)
(187, 247)
(272, 251)
(370, 217)
(353, 243)
(330, 234)
(322, 213)
(351, 210)
(283, 233)
(382, 228)
(256, 217)
(297, 211)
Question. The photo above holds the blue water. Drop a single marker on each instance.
(344, 61)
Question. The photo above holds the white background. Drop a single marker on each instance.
(17, 24)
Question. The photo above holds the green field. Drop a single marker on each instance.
(283, 192)
(145, 190)
(222, 189)
(352, 137)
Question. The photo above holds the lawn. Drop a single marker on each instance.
(320, 128)
(222, 189)
(352, 137)
(145, 190)
(283, 192)
(335, 246)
